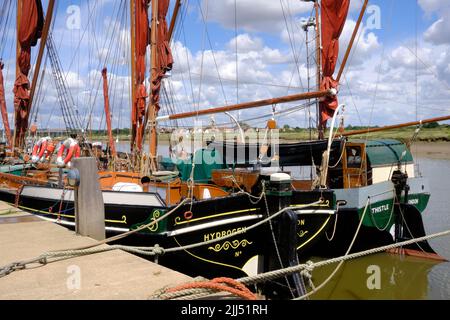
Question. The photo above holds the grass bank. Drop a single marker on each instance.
(405, 134)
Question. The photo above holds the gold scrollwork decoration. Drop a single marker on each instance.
(156, 215)
(227, 245)
(302, 233)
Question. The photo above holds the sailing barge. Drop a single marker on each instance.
(369, 180)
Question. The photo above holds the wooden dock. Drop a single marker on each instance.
(108, 275)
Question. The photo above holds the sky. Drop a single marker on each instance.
(231, 51)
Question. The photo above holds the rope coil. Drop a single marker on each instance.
(216, 285)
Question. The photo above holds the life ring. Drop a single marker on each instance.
(73, 150)
(39, 149)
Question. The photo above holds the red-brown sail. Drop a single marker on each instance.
(333, 15)
(142, 42)
(30, 30)
(162, 61)
(3, 108)
(164, 54)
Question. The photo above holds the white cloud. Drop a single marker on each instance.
(245, 43)
(405, 57)
(266, 67)
(265, 15)
(432, 5)
(366, 43)
(439, 31)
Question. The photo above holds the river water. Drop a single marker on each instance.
(401, 277)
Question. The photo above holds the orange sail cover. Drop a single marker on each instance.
(3, 108)
(333, 15)
(30, 30)
(164, 53)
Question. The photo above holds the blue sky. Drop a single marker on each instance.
(380, 86)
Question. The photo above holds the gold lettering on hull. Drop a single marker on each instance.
(222, 234)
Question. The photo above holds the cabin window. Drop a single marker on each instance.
(354, 157)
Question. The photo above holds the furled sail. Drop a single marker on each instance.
(3, 108)
(163, 64)
(333, 15)
(164, 53)
(142, 42)
(30, 30)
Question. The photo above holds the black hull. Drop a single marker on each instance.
(347, 223)
(235, 257)
(224, 216)
(294, 236)
(368, 237)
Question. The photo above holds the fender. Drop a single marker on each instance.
(39, 149)
(73, 150)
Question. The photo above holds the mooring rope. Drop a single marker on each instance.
(309, 267)
(278, 273)
(222, 284)
(304, 269)
(148, 251)
(306, 273)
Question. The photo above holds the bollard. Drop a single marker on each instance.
(89, 207)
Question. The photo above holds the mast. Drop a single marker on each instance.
(47, 23)
(318, 63)
(176, 9)
(19, 17)
(352, 40)
(3, 108)
(153, 140)
(28, 35)
(112, 144)
(133, 72)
